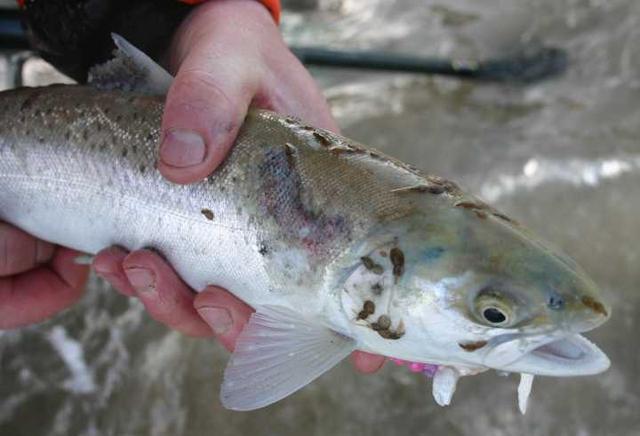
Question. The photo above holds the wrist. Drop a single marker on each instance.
(273, 6)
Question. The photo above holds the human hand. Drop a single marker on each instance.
(37, 279)
(226, 56)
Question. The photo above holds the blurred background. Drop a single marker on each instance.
(562, 156)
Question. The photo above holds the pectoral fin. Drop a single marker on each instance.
(277, 353)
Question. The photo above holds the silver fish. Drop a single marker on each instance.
(337, 246)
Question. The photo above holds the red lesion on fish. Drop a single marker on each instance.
(472, 346)
(281, 196)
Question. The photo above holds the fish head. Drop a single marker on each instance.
(481, 291)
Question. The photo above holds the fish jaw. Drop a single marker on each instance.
(560, 356)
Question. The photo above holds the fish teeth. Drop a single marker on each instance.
(444, 384)
(524, 390)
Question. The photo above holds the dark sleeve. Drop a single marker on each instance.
(74, 35)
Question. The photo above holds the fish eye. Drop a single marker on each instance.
(492, 307)
(494, 315)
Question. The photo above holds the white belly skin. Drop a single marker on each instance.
(89, 217)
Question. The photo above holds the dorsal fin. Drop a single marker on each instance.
(130, 70)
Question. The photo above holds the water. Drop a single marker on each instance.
(562, 156)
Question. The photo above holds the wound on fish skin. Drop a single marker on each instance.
(323, 140)
(470, 205)
(372, 266)
(208, 214)
(472, 346)
(397, 260)
(431, 189)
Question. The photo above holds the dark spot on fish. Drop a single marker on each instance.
(135, 116)
(324, 141)
(555, 301)
(85, 135)
(480, 214)
(263, 249)
(377, 289)
(431, 189)
(383, 323)
(390, 334)
(143, 168)
(67, 135)
(134, 148)
(150, 136)
(338, 150)
(472, 346)
(383, 253)
(397, 260)
(372, 266)
(469, 205)
(29, 101)
(594, 305)
(308, 128)
(208, 214)
(124, 152)
(99, 127)
(504, 218)
(368, 308)
(118, 118)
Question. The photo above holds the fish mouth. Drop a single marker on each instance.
(571, 355)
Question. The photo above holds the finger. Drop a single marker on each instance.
(226, 314)
(165, 296)
(209, 97)
(289, 89)
(20, 252)
(38, 294)
(367, 363)
(108, 265)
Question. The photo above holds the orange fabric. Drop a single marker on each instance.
(272, 5)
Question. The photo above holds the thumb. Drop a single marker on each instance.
(205, 107)
(218, 49)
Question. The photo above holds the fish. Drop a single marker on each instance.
(336, 246)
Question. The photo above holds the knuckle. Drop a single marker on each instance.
(200, 89)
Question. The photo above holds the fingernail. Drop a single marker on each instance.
(182, 148)
(142, 279)
(218, 318)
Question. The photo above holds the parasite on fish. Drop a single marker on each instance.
(336, 247)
